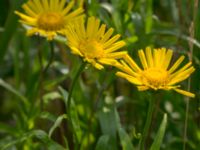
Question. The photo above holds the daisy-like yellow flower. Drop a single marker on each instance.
(48, 17)
(156, 73)
(93, 43)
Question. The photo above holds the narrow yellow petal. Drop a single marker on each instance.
(25, 17)
(181, 70)
(142, 88)
(29, 11)
(143, 59)
(129, 78)
(117, 55)
(90, 27)
(74, 13)
(32, 6)
(115, 46)
(182, 76)
(45, 4)
(107, 35)
(132, 63)
(96, 26)
(38, 4)
(29, 23)
(62, 4)
(167, 60)
(111, 41)
(74, 50)
(149, 57)
(82, 27)
(107, 61)
(176, 64)
(98, 66)
(100, 32)
(162, 56)
(157, 55)
(125, 68)
(186, 93)
(68, 8)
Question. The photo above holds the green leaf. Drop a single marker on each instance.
(39, 134)
(159, 137)
(103, 143)
(57, 123)
(51, 96)
(49, 116)
(5, 128)
(107, 117)
(50, 144)
(10, 28)
(149, 18)
(124, 137)
(125, 140)
(12, 90)
(108, 120)
(74, 114)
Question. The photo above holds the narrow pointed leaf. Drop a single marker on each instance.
(159, 137)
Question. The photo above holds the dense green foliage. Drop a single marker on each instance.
(107, 113)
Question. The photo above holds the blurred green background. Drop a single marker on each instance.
(108, 113)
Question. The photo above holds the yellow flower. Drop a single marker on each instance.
(48, 17)
(94, 44)
(156, 73)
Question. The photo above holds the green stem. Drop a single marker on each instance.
(192, 35)
(81, 68)
(44, 71)
(147, 123)
(51, 57)
(78, 73)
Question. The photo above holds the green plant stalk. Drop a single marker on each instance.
(78, 73)
(44, 71)
(51, 57)
(147, 124)
(191, 45)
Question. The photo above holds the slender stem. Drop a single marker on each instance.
(78, 73)
(147, 123)
(51, 57)
(192, 29)
(43, 71)
(81, 68)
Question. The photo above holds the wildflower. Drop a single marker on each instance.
(156, 73)
(47, 17)
(94, 44)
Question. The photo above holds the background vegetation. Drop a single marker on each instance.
(108, 113)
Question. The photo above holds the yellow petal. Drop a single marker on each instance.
(176, 64)
(142, 88)
(181, 70)
(111, 41)
(186, 93)
(90, 27)
(117, 55)
(129, 78)
(68, 8)
(132, 63)
(149, 57)
(107, 35)
(143, 59)
(115, 46)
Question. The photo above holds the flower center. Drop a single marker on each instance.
(155, 77)
(50, 21)
(91, 49)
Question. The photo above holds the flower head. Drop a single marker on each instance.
(156, 73)
(93, 43)
(48, 17)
